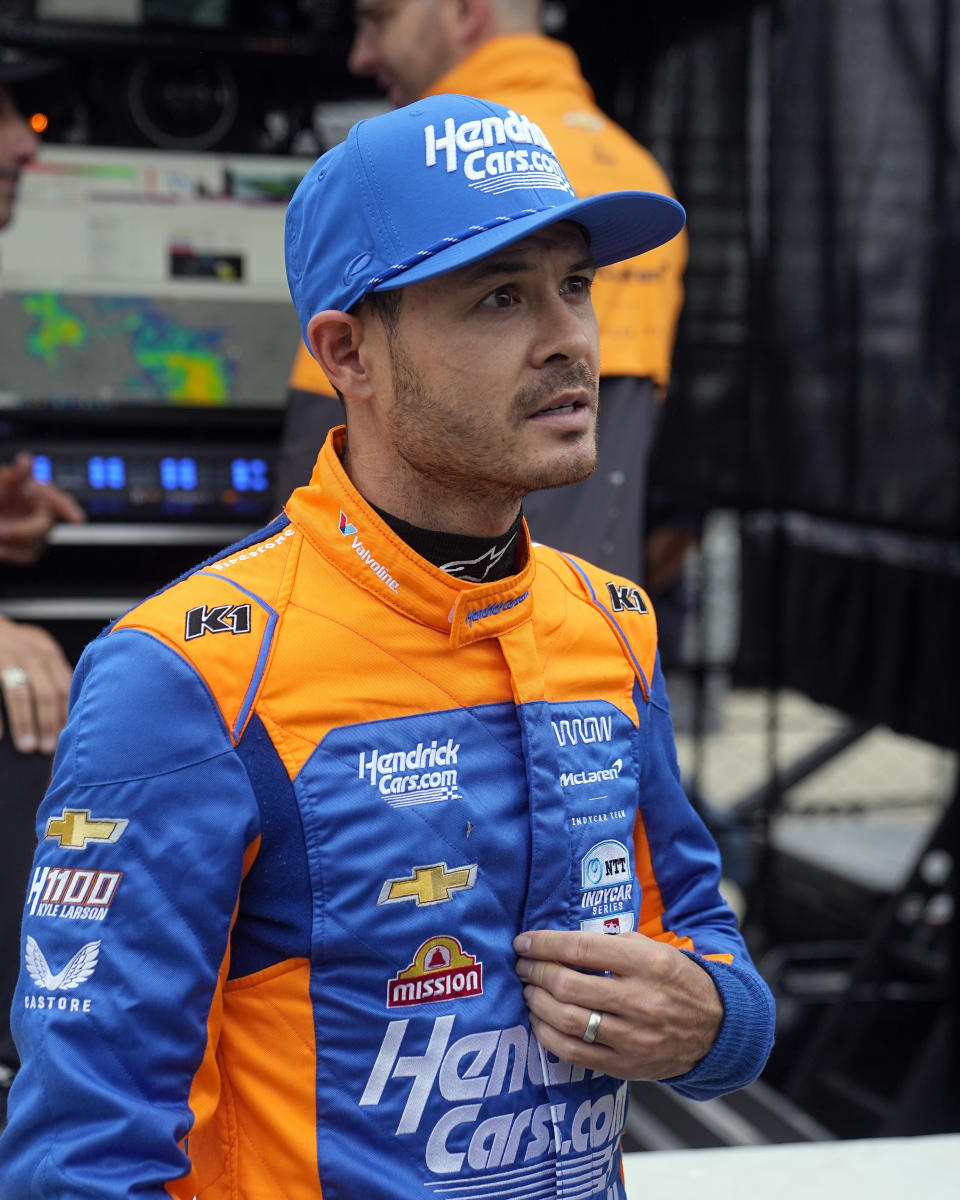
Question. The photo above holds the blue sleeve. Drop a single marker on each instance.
(686, 864)
(142, 837)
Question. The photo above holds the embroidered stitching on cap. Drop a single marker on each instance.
(443, 244)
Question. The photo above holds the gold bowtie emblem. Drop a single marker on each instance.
(74, 828)
(428, 885)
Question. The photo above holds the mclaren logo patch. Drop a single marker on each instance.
(222, 618)
(74, 828)
(432, 884)
(440, 971)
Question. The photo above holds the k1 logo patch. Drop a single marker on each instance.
(626, 599)
(222, 618)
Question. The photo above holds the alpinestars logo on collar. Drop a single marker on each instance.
(476, 570)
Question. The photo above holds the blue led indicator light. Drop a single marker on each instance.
(42, 468)
(116, 472)
(188, 474)
(96, 473)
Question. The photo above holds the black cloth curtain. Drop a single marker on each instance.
(816, 147)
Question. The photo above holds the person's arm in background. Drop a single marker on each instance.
(34, 674)
(29, 510)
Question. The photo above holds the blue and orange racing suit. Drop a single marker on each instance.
(306, 797)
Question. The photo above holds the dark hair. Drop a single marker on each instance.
(386, 305)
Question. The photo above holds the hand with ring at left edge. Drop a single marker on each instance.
(37, 704)
(28, 511)
(661, 1012)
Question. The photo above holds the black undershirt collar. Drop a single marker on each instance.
(476, 559)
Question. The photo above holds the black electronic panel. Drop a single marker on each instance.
(151, 464)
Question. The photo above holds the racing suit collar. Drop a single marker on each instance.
(340, 525)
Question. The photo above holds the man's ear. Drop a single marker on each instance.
(475, 21)
(335, 339)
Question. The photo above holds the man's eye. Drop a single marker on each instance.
(501, 298)
(577, 285)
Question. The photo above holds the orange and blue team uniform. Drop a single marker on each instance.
(306, 797)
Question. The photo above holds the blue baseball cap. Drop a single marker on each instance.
(436, 185)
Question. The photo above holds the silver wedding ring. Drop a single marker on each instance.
(14, 677)
(593, 1024)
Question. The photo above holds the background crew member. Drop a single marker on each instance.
(494, 49)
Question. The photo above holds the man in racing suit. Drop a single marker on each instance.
(342, 822)
(494, 49)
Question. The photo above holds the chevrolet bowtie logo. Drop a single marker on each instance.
(428, 885)
(74, 828)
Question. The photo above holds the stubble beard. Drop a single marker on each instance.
(438, 445)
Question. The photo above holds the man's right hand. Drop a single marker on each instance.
(35, 683)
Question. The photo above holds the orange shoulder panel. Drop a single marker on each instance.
(221, 620)
(625, 607)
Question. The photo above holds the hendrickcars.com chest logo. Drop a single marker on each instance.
(423, 774)
(440, 971)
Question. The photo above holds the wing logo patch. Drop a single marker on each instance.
(77, 971)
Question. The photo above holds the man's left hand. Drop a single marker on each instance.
(660, 1012)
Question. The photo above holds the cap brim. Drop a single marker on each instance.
(619, 225)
